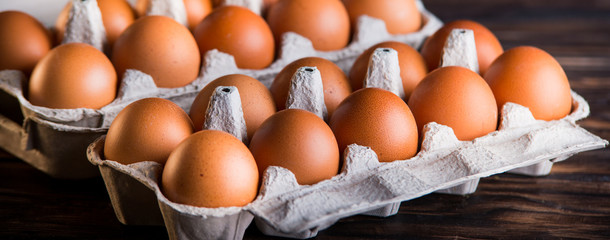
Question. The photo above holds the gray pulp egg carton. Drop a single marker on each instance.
(55, 140)
(369, 32)
(364, 186)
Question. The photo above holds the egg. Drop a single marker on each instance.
(160, 47)
(412, 66)
(267, 4)
(378, 119)
(237, 31)
(487, 45)
(324, 22)
(146, 130)
(299, 141)
(456, 97)
(196, 10)
(531, 77)
(210, 169)
(117, 15)
(400, 16)
(23, 41)
(335, 83)
(74, 75)
(257, 103)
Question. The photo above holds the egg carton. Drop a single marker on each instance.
(364, 186)
(369, 31)
(38, 135)
(55, 140)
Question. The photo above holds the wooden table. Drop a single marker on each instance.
(573, 201)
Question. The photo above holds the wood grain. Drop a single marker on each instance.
(572, 202)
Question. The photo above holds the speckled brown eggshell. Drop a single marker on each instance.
(412, 66)
(531, 77)
(257, 103)
(456, 97)
(400, 16)
(487, 45)
(146, 130)
(73, 75)
(324, 22)
(237, 31)
(335, 83)
(299, 141)
(117, 15)
(161, 47)
(378, 119)
(210, 169)
(23, 41)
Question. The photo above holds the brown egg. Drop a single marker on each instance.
(117, 15)
(196, 10)
(267, 4)
(378, 119)
(299, 141)
(400, 16)
(237, 31)
(412, 66)
(210, 169)
(531, 77)
(456, 97)
(324, 22)
(73, 75)
(23, 41)
(146, 130)
(488, 46)
(160, 47)
(335, 83)
(256, 101)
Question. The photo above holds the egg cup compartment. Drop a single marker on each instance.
(365, 185)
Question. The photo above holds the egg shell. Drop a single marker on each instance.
(211, 169)
(533, 78)
(47, 127)
(196, 10)
(256, 100)
(203, 215)
(324, 22)
(335, 83)
(456, 97)
(73, 75)
(488, 46)
(237, 31)
(266, 5)
(147, 130)
(378, 119)
(400, 16)
(285, 208)
(23, 41)
(370, 31)
(412, 66)
(299, 141)
(160, 47)
(117, 15)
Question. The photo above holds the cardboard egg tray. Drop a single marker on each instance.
(364, 186)
(369, 32)
(55, 140)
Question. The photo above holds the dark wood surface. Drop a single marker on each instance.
(572, 202)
